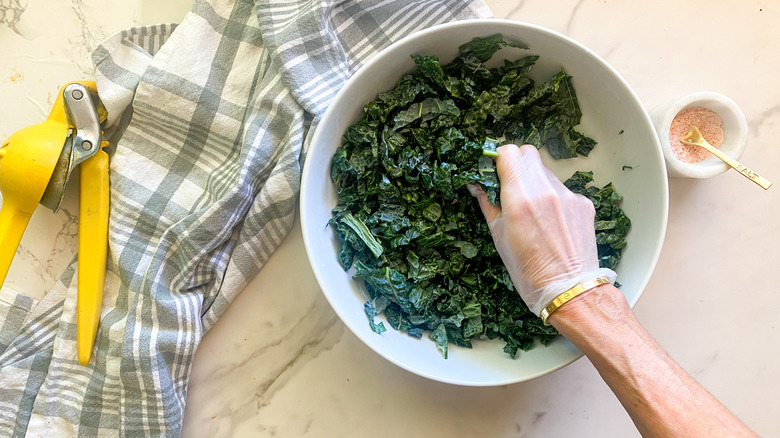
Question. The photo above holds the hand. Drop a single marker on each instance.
(543, 232)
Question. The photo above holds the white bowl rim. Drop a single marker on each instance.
(362, 335)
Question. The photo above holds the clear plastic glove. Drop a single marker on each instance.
(543, 232)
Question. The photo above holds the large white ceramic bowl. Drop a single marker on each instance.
(628, 154)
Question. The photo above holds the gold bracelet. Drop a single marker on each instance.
(568, 295)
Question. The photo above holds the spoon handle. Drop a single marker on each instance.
(744, 170)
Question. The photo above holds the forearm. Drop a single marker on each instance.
(661, 398)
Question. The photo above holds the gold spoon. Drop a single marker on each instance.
(694, 138)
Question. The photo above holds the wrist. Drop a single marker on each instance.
(563, 289)
(570, 294)
(600, 305)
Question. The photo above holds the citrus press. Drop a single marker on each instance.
(36, 164)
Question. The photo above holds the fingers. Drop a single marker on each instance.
(490, 211)
(522, 166)
(522, 175)
(520, 170)
(517, 164)
(523, 178)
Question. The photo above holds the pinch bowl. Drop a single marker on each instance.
(735, 131)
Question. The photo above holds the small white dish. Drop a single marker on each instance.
(735, 131)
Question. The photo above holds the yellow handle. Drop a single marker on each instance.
(93, 245)
(13, 222)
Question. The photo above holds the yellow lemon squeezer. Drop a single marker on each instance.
(35, 165)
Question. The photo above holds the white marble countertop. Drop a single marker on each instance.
(280, 363)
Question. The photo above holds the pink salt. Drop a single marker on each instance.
(710, 126)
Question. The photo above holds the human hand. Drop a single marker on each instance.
(543, 232)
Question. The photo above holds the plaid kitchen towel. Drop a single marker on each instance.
(209, 120)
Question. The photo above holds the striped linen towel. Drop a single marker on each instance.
(209, 120)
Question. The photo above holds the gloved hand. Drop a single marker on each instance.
(543, 232)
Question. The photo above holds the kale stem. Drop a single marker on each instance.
(489, 153)
(363, 233)
(390, 284)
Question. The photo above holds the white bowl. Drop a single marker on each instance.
(612, 114)
(735, 132)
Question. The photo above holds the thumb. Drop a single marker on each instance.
(490, 211)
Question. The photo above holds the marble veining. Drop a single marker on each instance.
(91, 33)
(46, 270)
(573, 15)
(280, 363)
(514, 11)
(11, 11)
(769, 117)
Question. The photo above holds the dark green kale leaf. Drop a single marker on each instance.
(546, 116)
(408, 226)
(484, 48)
(612, 224)
(373, 308)
(431, 112)
(363, 233)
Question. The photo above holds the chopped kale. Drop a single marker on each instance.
(611, 225)
(405, 219)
